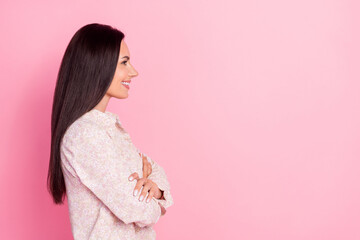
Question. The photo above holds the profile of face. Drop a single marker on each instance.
(124, 73)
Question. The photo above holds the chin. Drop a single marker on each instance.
(121, 96)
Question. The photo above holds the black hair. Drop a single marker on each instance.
(86, 71)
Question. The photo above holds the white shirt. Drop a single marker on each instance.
(97, 157)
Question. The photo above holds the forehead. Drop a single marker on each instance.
(124, 51)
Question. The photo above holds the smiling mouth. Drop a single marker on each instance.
(126, 84)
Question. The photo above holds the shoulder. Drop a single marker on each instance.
(84, 131)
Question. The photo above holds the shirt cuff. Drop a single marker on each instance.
(167, 201)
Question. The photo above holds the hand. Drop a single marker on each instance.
(147, 169)
(148, 187)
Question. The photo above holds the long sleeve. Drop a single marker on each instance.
(158, 175)
(100, 167)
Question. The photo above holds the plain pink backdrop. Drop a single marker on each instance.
(251, 107)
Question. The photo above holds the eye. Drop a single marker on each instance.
(124, 62)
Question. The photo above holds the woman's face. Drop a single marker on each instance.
(124, 72)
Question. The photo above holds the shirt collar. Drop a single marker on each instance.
(107, 119)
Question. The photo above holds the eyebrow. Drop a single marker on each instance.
(126, 57)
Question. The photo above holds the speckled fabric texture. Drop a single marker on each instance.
(97, 157)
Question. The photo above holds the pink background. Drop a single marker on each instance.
(251, 107)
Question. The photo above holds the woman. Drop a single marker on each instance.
(93, 160)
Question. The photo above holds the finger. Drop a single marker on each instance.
(133, 176)
(150, 168)
(143, 159)
(145, 190)
(147, 164)
(138, 185)
(148, 159)
(151, 194)
(145, 171)
(147, 168)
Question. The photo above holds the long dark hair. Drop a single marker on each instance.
(86, 71)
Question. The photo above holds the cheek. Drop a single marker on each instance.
(121, 76)
(117, 83)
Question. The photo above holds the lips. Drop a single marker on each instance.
(126, 84)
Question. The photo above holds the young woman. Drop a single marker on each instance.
(93, 160)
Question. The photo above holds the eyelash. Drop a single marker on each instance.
(124, 62)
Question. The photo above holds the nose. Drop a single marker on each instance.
(133, 72)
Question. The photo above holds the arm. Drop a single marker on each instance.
(158, 175)
(95, 158)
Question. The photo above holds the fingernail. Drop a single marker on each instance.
(131, 178)
(141, 198)
(148, 200)
(135, 192)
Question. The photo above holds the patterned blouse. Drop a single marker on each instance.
(97, 158)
